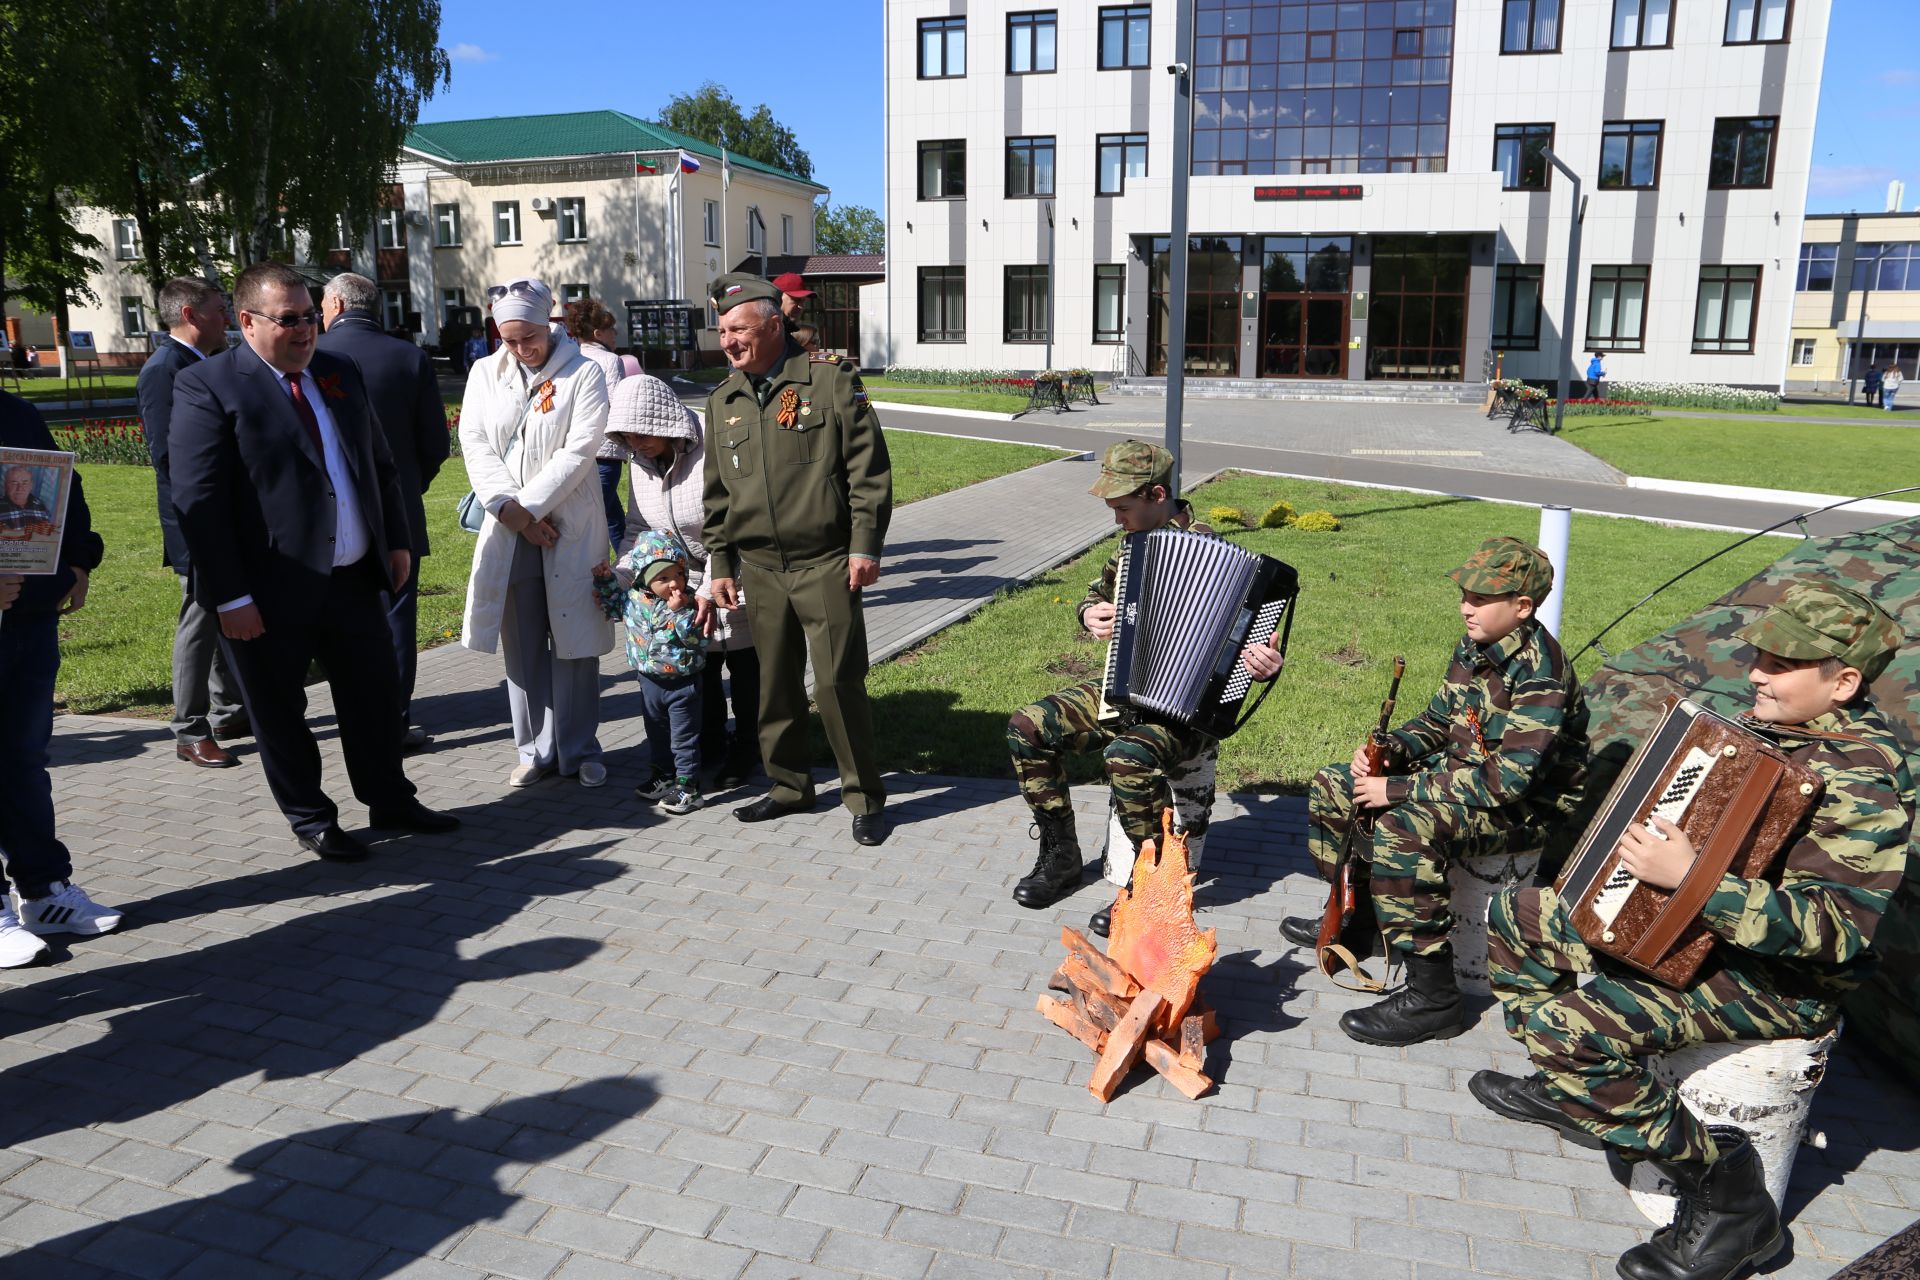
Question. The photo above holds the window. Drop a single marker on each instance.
(943, 169)
(1758, 21)
(126, 239)
(1516, 307)
(1517, 155)
(391, 227)
(1032, 43)
(1109, 301)
(1617, 309)
(277, 236)
(1724, 311)
(1630, 155)
(943, 304)
(1120, 156)
(1126, 37)
(446, 226)
(1803, 351)
(1742, 152)
(506, 222)
(1816, 267)
(393, 310)
(133, 317)
(943, 48)
(451, 300)
(1893, 267)
(342, 237)
(1029, 167)
(1406, 42)
(1531, 26)
(756, 231)
(710, 222)
(1026, 294)
(1642, 24)
(570, 293)
(786, 233)
(570, 220)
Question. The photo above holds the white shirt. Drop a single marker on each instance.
(350, 539)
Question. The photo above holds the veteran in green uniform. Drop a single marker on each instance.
(798, 494)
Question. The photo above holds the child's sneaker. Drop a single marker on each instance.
(655, 787)
(67, 909)
(682, 796)
(18, 947)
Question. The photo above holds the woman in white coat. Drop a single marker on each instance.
(534, 416)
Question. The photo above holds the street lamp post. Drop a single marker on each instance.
(1567, 355)
(1050, 275)
(1177, 246)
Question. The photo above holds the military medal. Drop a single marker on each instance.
(789, 408)
(733, 420)
(806, 408)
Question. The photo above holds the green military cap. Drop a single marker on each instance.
(1130, 466)
(1812, 619)
(1503, 566)
(729, 291)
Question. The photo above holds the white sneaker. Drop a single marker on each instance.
(18, 947)
(525, 775)
(67, 909)
(593, 773)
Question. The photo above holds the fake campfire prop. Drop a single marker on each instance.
(1141, 999)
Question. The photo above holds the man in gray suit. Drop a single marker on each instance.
(206, 699)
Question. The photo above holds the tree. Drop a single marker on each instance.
(711, 115)
(850, 228)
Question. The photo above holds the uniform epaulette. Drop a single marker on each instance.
(826, 357)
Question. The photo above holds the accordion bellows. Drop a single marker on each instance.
(1186, 606)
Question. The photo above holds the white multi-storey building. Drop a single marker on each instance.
(1369, 193)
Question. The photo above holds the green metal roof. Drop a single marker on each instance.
(568, 133)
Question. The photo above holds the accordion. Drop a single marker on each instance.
(1739, 799)
(1186, 606)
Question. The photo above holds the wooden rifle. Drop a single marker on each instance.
(1341, 899)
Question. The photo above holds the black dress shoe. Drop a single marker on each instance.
(1300, 931)
(335, 845)
(868, 828)
(1527, 1100)
(414, 739)
(1101, 921)
(766, 808)
(413, 817)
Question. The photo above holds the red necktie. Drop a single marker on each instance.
(305, 410)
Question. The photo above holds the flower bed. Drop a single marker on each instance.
(1695, 395)
(121, 441)
(953, 377)
(1608, 408)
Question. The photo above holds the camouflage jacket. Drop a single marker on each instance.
(1508, 726)
(1820, 905)
(1100, 590)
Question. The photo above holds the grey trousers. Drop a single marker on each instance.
(206, 697)
(555, 701)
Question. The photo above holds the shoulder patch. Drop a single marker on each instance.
(825, 357)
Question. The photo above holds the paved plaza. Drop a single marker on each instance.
(579, 1039)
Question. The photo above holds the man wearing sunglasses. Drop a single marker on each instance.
(293, 516)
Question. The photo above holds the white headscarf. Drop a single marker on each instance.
(533, 303)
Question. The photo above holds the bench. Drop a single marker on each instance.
(1191, 783)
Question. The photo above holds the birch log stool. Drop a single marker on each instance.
(1475, 879)
(1191, 786)
(1764, 1087)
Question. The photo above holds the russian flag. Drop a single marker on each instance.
(688, 164)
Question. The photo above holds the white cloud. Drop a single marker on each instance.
(1900, 76)
(1849, 179)
(470, 53)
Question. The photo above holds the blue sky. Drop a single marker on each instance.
(818, 67)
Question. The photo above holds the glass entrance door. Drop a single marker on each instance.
(1304, 335)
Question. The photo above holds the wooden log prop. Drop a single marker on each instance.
(1140, 1000)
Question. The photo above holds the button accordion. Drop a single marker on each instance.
(1738, 797)
(1186, 606)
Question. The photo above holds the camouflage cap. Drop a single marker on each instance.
(1130, 466)
(1503, 566)
(729, 291)
(1813, 619)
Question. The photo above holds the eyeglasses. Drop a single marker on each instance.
(517, 289)
(291, 321)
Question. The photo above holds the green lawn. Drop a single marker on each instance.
(1811, 409)
(117, 650)
(1841, 458)
(109, 386)
(1369, 591)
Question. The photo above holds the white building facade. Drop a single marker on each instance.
(1369, 197)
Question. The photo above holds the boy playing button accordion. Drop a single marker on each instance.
(1790, 945)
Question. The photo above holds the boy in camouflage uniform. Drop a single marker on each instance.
(1480, 771)
(1791, 945)
(1135, 481)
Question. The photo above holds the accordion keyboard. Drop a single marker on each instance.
(1673, 802)
(1265, 623)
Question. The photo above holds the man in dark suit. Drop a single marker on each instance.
(406, 400)
(206, 701)
(292, 512)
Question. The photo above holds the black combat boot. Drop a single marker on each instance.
(1359, 936)
(1427, 1008)
(1057, 870)
(1101, 921)
(1724, 1223)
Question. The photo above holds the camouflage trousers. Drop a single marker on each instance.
(1593, 1041)
(1137, 758)
(1404, 854)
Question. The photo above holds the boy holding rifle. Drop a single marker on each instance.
(1501, 748)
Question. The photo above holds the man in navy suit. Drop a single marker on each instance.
(292, 512)
(206, 701)
(406, 400)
